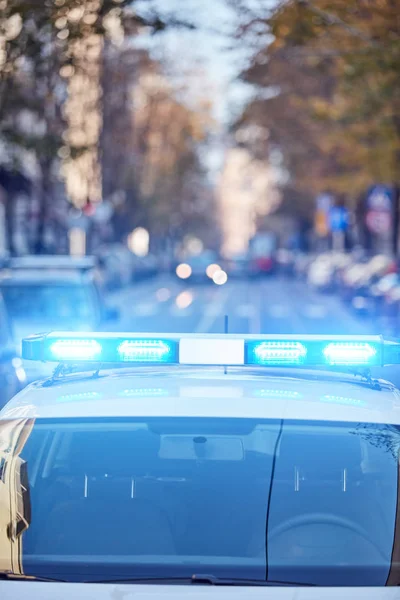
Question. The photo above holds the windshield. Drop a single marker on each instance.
(38, 303)
(159, 497)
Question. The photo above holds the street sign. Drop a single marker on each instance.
(379, 210)
(378, 221)
(380, 198)
(324, 202)
(338, 218)
(321, 223)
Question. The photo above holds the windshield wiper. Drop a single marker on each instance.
(19, 577)
(200, 579)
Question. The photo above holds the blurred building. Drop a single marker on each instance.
(246, 191)
(82, 110)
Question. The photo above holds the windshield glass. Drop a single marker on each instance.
(44, 303)
(159, 497)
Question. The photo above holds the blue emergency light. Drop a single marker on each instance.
(213, 350)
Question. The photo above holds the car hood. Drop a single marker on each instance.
(36, 370)
(18, 590)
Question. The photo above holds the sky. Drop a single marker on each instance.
(208, 47)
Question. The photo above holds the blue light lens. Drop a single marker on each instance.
(76, 350)
(276, 353)
(349, 353)
(146, 351)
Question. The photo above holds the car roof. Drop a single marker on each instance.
(44, 276)
(59, 261)
(188, 392)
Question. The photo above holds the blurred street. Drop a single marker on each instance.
(271, 305)
(275, 305)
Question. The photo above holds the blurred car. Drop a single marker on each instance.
(357, 278)
(12, 372)
(302, 262)
(52, 294)
(358, 291)
(262, 253)
(145, 267)
(237, 267)
(390, 309)
(323, 271)
(320, 273)
(371, 298)
(117, 263)
(285, 260)
(199, 268)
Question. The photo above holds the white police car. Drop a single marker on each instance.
(43, 293)
(204, 462)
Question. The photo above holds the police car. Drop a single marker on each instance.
(42, 293)
(152, 466)
(12, 372)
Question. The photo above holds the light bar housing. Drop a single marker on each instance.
(213, 350)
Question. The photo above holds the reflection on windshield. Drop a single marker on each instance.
(183, 496)
(46, 303)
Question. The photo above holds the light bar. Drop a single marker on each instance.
(213, 350)
(145, 351)
(100, 348)
(76, 350)
(276, 353)
(348, 353)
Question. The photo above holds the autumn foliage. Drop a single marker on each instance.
(327, 80)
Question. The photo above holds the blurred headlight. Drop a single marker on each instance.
(212, 269)
(184, 271)
(220, 277)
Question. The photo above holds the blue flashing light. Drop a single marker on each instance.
(76, 349)
(349, 353)
(146, 351)
(261, 351)
(100, 348)
(276, 353)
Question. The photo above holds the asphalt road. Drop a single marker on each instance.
(271, 305)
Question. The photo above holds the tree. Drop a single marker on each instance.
(329, 91)
(168, 174)
(50, 88)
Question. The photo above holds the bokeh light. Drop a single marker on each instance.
(163, 294)
(184, 271)
(138, 242)
(220, 277)
(193, 245)
(212, 269)
(184, 299)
